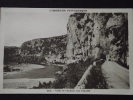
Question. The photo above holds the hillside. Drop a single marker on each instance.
(98, 35)
(11, 54)
(51, 49)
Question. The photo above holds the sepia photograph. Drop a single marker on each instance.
(65, 49)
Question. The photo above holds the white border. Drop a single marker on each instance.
(67, 91)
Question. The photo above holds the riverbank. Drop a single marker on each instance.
(30, 75)
(24, 83)
(23, 67)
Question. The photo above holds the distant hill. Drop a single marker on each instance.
(51, 49)
(10, 53)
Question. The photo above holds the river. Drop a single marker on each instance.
(24, 78)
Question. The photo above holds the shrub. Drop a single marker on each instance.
(96, 79)
(7, 69)
(43, 85)
(70, 77)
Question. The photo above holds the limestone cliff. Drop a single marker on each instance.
(53, 49)
(98, 35)
(41, 50)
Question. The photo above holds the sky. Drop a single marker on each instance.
(20, 25)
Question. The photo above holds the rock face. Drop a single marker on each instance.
(42, 50)
(53, 49)
(98, 35)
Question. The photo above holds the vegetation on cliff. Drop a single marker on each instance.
(93, 34)
(96, 79)
(38, 51)
(70, 77)
(11, 54)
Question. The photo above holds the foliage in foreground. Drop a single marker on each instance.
(96, 79)
(70, 76)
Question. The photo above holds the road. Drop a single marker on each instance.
(117, 76)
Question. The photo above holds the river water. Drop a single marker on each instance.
(32, 77)
(46, 72)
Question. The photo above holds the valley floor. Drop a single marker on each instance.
(31, 76)
(24, 83)
(116, 76)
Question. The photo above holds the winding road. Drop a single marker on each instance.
(117, 76)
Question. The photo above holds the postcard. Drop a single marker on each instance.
(66, 51)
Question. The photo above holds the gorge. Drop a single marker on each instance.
(90, 37)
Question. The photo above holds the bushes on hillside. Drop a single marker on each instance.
(70, 77)
(43, 85)
(7, 69)
(96, 79)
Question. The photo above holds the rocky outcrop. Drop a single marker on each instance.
(53, 49)
(42, 50)
(97, 35)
